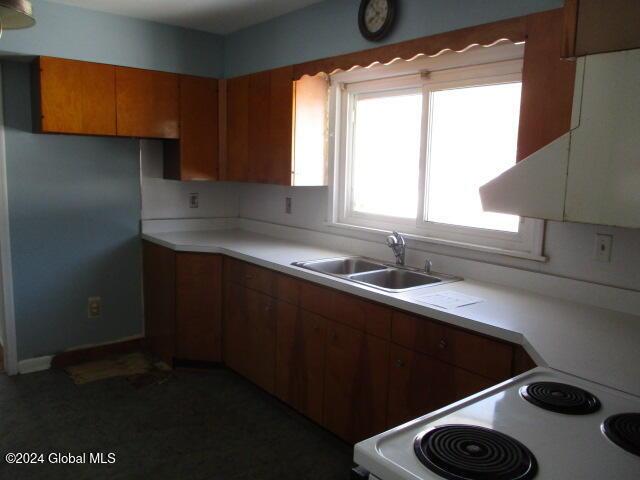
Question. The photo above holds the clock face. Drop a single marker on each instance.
(376, 17)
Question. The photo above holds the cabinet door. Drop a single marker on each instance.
(356, 383)
(159, 272)
(300, 364)
(74, 97)
(237, 158)
(196, 157)
(198, 306)
(278, 169)
(147, 103)
(262, 311)
(259, 128)
(419, 384)
(235, 328)
(250, 333)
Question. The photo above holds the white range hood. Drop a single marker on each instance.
(592, 173)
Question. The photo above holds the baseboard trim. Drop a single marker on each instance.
(81, 354)
(97, 352)
(32, 365)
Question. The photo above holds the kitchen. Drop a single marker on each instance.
(273, 201)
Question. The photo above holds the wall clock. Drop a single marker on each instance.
(376, 17)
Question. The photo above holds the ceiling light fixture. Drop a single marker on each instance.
(15, 14)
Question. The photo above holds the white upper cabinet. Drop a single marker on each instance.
(591, 174)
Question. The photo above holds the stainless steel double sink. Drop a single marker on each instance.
(377, 274)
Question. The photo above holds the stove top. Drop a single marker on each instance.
(460, 452)
(560, 397)
(502, 432)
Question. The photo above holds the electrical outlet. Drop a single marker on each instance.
(604, 244)
(193, 200)
(287, 205)
(94, 306)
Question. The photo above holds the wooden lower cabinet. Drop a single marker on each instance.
(356, 383)
(419, 384)
(353, 366)
(249, 335)
(182, 304)
(198, 307)
(300, 362)
(159, 278)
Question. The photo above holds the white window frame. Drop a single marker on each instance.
(500, 64)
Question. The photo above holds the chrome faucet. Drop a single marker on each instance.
(428, 265)
(396, 242)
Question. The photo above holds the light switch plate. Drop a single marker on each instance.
(194, 199)
(604, 244)
(94, 307)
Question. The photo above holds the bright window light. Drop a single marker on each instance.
(415, 142)
(386, 154)
(473, 134)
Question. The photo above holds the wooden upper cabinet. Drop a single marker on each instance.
(195, 156)
(547, 84)
(147, 103)
(276, 128)
(74, 97)
(260, 143)
(278, 164)
(598, 26)
(237, 148)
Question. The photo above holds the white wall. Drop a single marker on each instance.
(170, 199)
(570, 247)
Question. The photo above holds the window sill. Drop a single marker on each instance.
(439, 241)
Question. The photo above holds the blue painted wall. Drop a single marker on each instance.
(74, 210)
(70, 32)
(330, 28)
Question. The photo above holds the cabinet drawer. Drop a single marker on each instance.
(347, 309)
(482, 355)
(261, 279)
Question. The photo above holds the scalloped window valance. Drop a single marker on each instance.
(514, 29)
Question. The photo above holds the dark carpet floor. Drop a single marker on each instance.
(196, 425)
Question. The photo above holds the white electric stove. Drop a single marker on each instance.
(535, 426)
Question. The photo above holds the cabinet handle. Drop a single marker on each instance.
(442, 344)
(399, 363)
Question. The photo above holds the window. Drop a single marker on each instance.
(413, 148)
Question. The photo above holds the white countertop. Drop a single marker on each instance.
(593, 343)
